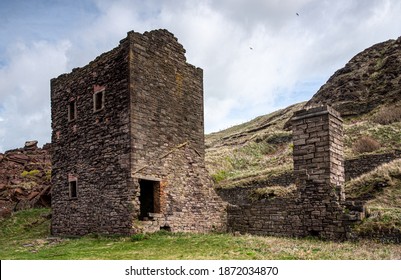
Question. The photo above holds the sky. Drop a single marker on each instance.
(257, 55)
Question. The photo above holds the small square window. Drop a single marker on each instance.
(73, 189)
(98, 101)
(72, 110)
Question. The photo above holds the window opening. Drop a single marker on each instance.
(149, 198)
(72, 110)
(73, 189)
(98, 101)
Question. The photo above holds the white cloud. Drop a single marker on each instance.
(25, 91)
(257, 55)
(240, 82)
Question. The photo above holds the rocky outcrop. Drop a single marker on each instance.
(368, 80)
(24, 178)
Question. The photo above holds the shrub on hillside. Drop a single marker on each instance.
(365, 144)
(388, 115)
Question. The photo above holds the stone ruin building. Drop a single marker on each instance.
(128, 153)
(128, 143)
(318, 207)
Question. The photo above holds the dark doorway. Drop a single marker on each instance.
(149, 198)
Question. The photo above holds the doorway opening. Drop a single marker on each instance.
(149, 198)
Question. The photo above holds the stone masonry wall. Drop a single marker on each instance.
(132, 116)
(290, 217)
(189, 201)
(93, 148)
(318, 146)
(318, 208)
(166, 96)
(166, 113)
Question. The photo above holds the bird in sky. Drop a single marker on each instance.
(297, 14)
(251, 48)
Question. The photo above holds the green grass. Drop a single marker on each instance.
(25, 236)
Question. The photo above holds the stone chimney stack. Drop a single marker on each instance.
(318, 147)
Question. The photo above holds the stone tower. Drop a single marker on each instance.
(128, 143)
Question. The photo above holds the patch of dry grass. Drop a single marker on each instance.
(368, 185)
(250, 163)
(272, 192)
(381, 188)
(388, 115)
(251, 151)
(254, 177)
(365, 144)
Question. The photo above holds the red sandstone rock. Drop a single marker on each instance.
(31, 145)
(5, 212)
(32, 195)
(17, 181)
(18, 158)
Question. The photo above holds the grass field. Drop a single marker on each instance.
(25, 235)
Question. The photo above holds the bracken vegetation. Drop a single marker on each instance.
(365, 144)
(388, 115)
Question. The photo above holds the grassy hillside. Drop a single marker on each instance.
(256, 150)
(25, 235)
(251, 151)
(381, 189)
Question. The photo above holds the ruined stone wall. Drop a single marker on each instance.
(166, 113)
(166, 96)
(275, 217)
(295, 217)
(93, 149)
(189, 202)
(128, 136)
(318, 208)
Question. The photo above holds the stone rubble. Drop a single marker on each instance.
(24, 178)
